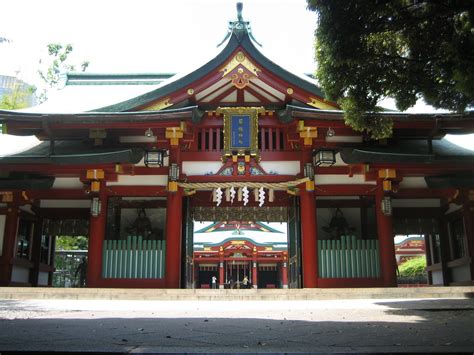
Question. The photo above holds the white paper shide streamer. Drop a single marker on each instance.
(245, 195)
(261, 195)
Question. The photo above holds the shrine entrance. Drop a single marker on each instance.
(242, 247)
(236, 272)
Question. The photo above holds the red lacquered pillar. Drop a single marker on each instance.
(221, 274)
(254, 274)
(173, 238)
(96, 241)
(387, 246)
(284, 272)
(308, 239)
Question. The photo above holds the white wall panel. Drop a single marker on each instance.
(140, 180)
(67, 183)
(43, 278)
(201, 167)
(281, 167)
(413, 183)
(20, 274)
(461, 273)
(437, 277)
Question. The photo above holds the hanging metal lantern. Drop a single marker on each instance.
(154, 157)
(324, 157)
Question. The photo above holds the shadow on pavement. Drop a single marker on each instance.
(412, 326)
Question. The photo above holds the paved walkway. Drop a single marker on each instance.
(434, 325)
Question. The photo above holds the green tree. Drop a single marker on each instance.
(56, 64)
(18, 98)
(71, 243)
(413, 267)
(404, 49)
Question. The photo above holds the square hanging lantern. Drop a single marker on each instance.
(324, 157)
(309, 171)
(173, 172)
(154, 157)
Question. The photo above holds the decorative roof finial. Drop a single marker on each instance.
(239, 27)
(240, 6)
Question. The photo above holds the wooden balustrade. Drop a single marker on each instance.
(348, 258)
(133, 258)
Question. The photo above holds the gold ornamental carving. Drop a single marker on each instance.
(160, 105)
(240, 60)
(318, 103)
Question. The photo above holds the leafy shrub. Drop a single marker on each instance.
(413, 267)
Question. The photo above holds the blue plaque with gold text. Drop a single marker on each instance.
(240, 136)
(240, 131)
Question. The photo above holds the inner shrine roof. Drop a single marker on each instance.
(273, 245)
(272, 233)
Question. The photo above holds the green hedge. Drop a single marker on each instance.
(413, 267)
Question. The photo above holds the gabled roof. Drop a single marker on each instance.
(236, 226)
(276, 246)
(239, 41)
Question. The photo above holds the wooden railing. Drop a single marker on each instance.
(133, 258)
(271, 139)
(348, 258)
(212, 139)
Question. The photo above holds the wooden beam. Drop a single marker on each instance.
(345, 190)
(139, 191)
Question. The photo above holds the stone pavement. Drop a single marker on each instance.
(174, 326)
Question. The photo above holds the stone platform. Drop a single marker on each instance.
(32, 293)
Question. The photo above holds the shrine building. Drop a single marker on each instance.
(134, 161)
(254, 250)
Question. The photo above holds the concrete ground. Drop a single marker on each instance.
(342, 326)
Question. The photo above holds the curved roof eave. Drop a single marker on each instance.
(175, 85)
(234, 42)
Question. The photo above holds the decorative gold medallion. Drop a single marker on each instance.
(240, 60)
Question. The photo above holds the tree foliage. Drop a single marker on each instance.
(404, 49)
(72, 243)
(413, 267)
(18, 98)
(56, 65)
